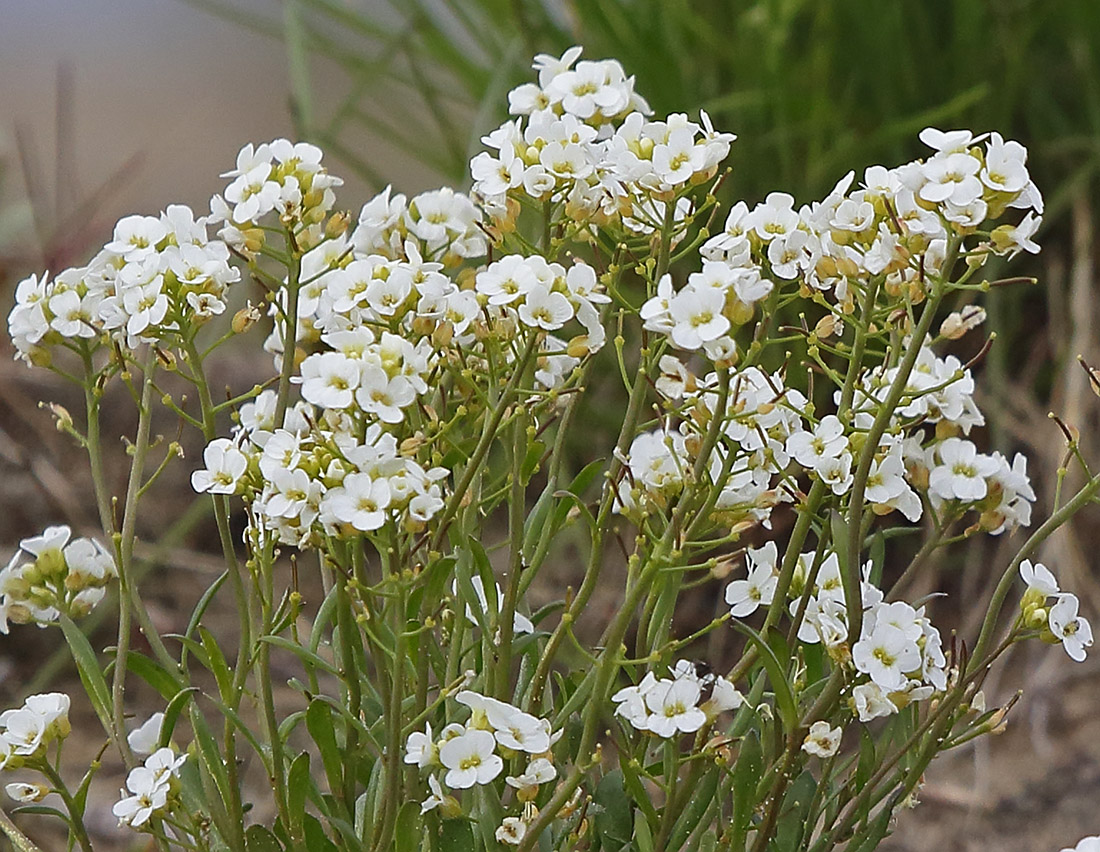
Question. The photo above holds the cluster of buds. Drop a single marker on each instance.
(63, 577)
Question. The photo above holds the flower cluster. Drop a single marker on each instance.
(151, 787)
(681, 704)
(469, 754)
(760, 415)
(584, 139)
(896, 227)
(28, 730)
(328, 478)
(902, 655)
(157, 275)
(1058, 621)
(280, 176)
(544, 295)
(899, 650)
(63, 577)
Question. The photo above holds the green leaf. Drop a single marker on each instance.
(204, 602)
(643, 837)
(308, 657)
(172, 713)
(316, 838)
(702, 795)
(746, 775)
(260, 839)
(777, 676)
(456, 836)
(218, 666)
(613, 820)
(212, 769)
(792, 823)
(865, 767)
(91, 675)
(872, 836)
(878, 558)
(298, 784)
(154, 674)
(408, 830)
(320, 727)
(530, 464)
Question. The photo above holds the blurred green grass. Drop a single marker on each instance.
(813, 87)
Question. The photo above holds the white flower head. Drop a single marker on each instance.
(470, 759)
(1073, 631)
(822, 740)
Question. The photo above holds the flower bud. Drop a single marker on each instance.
(245, 318)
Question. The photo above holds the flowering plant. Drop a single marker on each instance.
(785, 402)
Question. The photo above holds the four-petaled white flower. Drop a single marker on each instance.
(470, 759)
(1073, 631)
(822, 740)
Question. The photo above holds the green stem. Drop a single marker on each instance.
(851, 564)
(76, 823)
(124, 548)
(240, 594)
(290, 332)
(488, 435)
(517, 513)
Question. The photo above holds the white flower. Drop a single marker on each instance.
(961, 472)
(361, 501)
(419, 748)
(539, 771)
(136, 237)
(1073, 631)
(871, 702)
(696, 316)
(1038, 577)
(225, 465)
(544, 309)
(673, 705)
(143, 739)
(382, 396)
(512, 831)
(744, 596)
(147, 798)
(822, 740)
(470, 759)
(437, 797)
(1005, 165)
(27, 793)
(887, 655)
(329, 379)
(521, 623)
(827, 441)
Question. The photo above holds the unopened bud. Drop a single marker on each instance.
(827, 326)
(337, 225)
(62, 419)
(245, 318)
(960, 322)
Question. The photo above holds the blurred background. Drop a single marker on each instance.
(116, 106)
